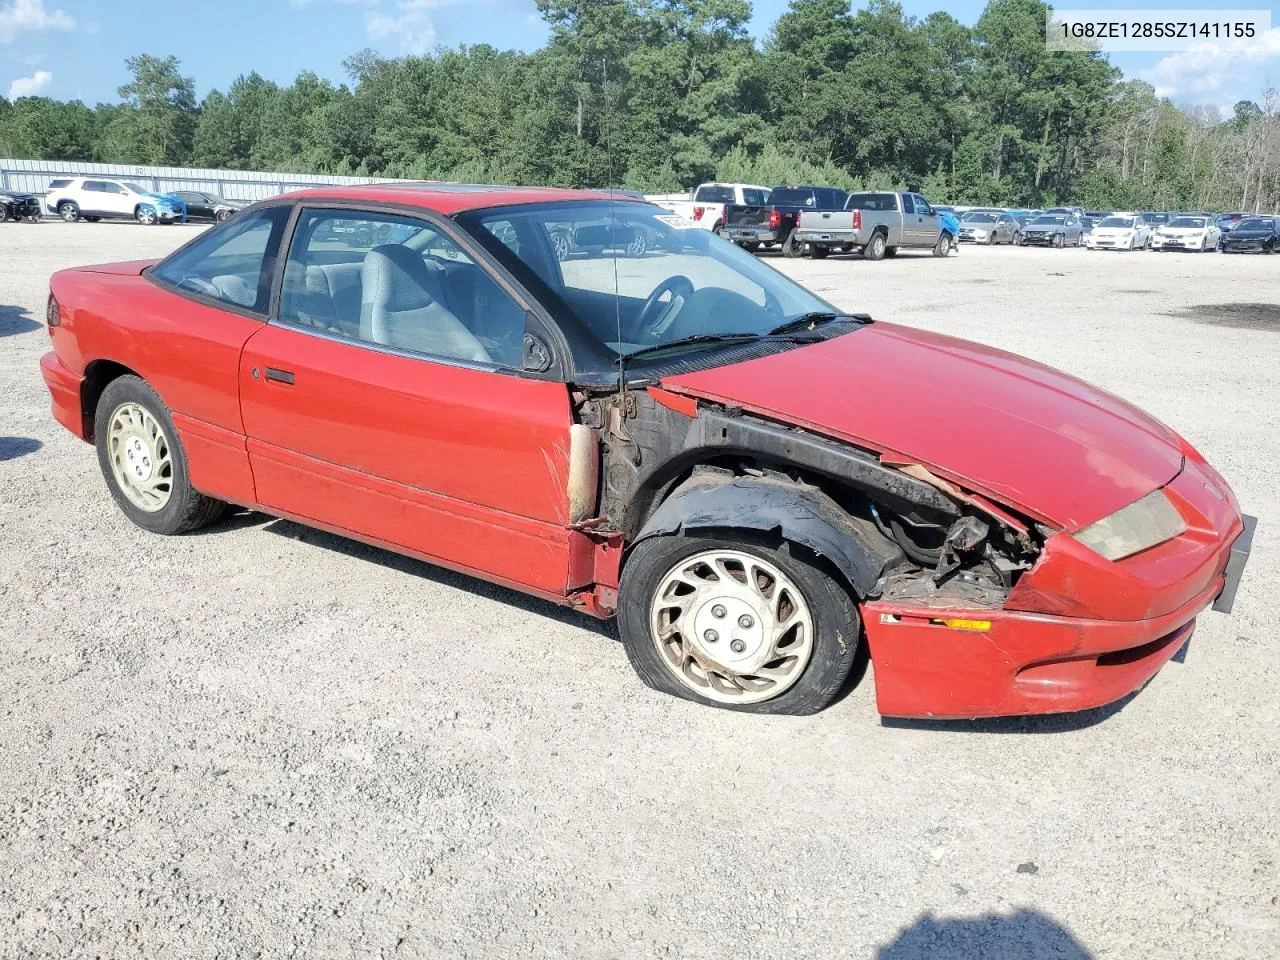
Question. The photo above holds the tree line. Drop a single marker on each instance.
(657, 95)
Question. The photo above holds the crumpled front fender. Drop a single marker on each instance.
(802, 514)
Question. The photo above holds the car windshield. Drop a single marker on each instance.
(1154, 218)
(1054, 221)
(1190, 223)
(1122, 222)
(673, 281)
(979, 218)
(1253, 223)
(783, 197)
(133, 186)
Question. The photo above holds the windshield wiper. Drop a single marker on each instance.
(719, 338)
(807, 321)
(696, 338)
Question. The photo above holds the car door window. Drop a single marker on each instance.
(232, 263)
(922, 205)
(907, 205)
(399, 282)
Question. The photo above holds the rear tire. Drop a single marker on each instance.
(130, 410)
(92, 219)
(824, 638)
(876, 248)
(69, 211)
(818, 253)
(791, 247)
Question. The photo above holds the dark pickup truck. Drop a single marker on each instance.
(756, 226)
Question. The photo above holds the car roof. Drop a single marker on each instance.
(449, 198)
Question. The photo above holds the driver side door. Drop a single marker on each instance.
(382, 427)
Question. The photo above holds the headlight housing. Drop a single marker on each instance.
(1132, 529)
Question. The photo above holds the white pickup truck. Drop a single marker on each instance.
(875, 223)
(706, 206)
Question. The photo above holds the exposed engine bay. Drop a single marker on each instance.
(893, 530)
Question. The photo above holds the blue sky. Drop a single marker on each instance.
(76, 48)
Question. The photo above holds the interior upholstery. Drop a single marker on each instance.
(235, 289)
(403, 304)
(325, 296)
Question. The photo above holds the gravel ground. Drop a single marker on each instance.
(266, 741)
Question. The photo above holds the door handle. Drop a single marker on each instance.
(280, 376)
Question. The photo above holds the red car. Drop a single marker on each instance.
(750, 479)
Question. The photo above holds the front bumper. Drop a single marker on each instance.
(1178, 243)
(1076, 632)
(64, 392)
(1041, 239)
(1244, 246)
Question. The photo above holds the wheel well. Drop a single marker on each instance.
(97, 374)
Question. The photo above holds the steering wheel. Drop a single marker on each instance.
(200, 285)
(677, 286)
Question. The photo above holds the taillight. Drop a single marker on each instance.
(857, 219)
(53, 312)
(698, 212)
(775, 219)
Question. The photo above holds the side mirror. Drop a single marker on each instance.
(537, 355)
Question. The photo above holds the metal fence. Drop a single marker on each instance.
(33, 176)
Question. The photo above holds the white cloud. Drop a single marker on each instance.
(30, 86)
(31, 15)
(411, 21)
(1211, 69)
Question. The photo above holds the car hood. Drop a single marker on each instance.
(1180, 231)
(1249, 234)
(1018, 432)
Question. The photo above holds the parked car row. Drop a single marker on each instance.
(816, 220)
(96, 198)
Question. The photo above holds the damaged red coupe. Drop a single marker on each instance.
(580, 397)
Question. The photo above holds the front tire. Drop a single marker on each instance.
(943, 246)
(145, 215)
(142, 460)
(817, 252)
(737, 622)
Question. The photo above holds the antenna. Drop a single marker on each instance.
(613, 233)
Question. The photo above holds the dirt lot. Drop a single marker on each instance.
(265, 741)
